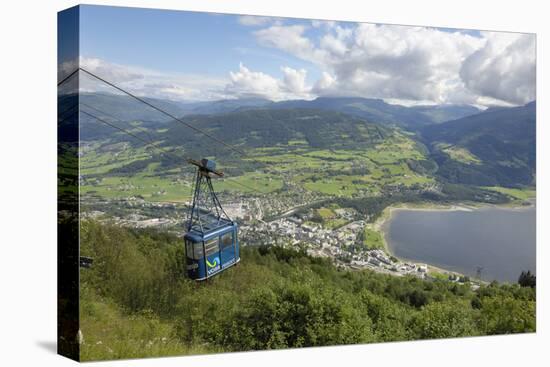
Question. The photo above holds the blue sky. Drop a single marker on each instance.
(191, 56)
(178, 41)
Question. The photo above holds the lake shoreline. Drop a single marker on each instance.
(381, 225)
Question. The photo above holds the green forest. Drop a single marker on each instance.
(136, 302)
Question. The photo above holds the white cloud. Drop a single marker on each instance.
(411, 63)
(334, 45)
(113, 72)
(289, 39)
(66, 68)
(317, 23)
(255, 20)
(294, 81)
(396, 63)
(189, 87)
(325, 83)
(150, 83)
(504, 69)
(248, 83)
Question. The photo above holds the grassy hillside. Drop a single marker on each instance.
(135, 302)
(493, 148)
(297, 150)
(326, 153)
(324, 147)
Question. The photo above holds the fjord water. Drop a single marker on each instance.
(500, 240)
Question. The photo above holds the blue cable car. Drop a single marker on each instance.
(211, 242)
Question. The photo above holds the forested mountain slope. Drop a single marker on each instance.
(497, 147)
(136, 302)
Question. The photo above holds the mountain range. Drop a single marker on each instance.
(469, 146)
(375, 110)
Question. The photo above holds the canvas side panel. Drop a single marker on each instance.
(67, 184)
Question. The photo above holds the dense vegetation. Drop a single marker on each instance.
(136, 302)
(269, 128)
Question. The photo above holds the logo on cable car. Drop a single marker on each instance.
(214, 265)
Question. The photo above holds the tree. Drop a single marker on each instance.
(506, 315)
(390, 319)
(526, 279)
(276, 298)
(297, 315)
(445, 320)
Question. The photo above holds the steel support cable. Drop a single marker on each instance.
(162, 151)
(119, 120)
(229, 146)
(196, 129)
(68, 77)
(147, 143)
(63, 115)
(241, 152)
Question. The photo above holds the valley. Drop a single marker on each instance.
(308, 178)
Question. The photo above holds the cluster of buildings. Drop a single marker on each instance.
(291, 231)
(343, 245)
(378, 259)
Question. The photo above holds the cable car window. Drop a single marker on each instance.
(189, 248)
(197, 253)
(226, 240)
(212, 246)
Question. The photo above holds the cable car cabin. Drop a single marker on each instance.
(211, 242)
(212, 249)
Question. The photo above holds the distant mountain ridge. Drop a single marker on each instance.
(126, 108)
(496, 147)
(228, 105)
(374, 110)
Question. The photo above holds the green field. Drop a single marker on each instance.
(149, 187)
(253, 181)
(372, 239)
(99, 159)
(120, 170)
(326, 213)
(520, 194)
(459, 154)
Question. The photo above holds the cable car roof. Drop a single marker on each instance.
(212, 230)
